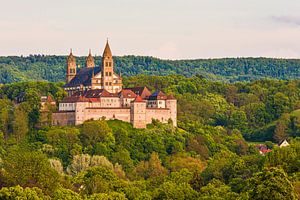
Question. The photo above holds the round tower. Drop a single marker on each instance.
(71, 67)
(90, 61)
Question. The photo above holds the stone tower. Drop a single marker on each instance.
(107, 69)
(71, 67)
(90, 61)
(138, 113)
(171, 103)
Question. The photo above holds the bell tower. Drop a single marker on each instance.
(90, 61)
(71, 67)
(107, 68)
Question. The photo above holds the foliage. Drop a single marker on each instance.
(52, 68)
(212, 154)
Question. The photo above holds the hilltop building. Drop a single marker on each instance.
(97, 91)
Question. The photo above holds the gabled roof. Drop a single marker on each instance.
(83, 77)
(158, 95)
(126, 93)
(282, 141)
(88, 96)
(96, 93)
(144, 92)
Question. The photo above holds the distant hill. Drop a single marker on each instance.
(52, 68)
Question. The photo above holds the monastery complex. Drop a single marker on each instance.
(97, 92)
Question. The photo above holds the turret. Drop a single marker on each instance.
(171, 103)
(71, 67)
(90, 61)
(107, 68)
(138, 113)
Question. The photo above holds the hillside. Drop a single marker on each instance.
(52, 68)
(212, 154)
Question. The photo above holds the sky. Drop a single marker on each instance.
(167, 29)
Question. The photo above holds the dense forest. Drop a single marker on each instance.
(212, 153)
(52, 68)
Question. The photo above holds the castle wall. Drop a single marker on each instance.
(172, 105)
(97, 113)
(66, 106)
(110, 102)
(111, 108)
(160, 114)
(63, 118)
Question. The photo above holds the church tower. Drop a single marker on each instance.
(107, 69)
(71, 67)
(90, 62)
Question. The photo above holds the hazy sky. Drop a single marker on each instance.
(172, 29)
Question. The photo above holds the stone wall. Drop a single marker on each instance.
(135, 114)
(63, 118)
(161, 114)
(109, 113)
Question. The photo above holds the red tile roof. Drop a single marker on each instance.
(158, 95)
(138, 99)
(144, 92)
(126, 93)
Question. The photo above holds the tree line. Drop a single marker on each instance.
(53, 68)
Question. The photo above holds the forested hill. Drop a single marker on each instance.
(52, 68)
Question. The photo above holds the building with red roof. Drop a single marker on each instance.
(97, 92)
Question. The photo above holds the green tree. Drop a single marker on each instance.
(272, 183)
(96, 131)
(216, 190)
(29, 169)
(20, 124)
(17, 192)
(66, 194)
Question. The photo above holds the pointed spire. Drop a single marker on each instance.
(107, 51)
(71, 56)
(90, 61)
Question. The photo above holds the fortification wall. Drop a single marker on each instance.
(63, 118)
(109, 113)
(160, 114)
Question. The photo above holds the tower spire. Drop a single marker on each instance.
(90, 62)
(107, 51)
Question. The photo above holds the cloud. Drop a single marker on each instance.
(293, 20)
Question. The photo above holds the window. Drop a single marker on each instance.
(109, 73)
(106, 64)
(106, 83)
(109, 83)
(110, 64)
(106, 73)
